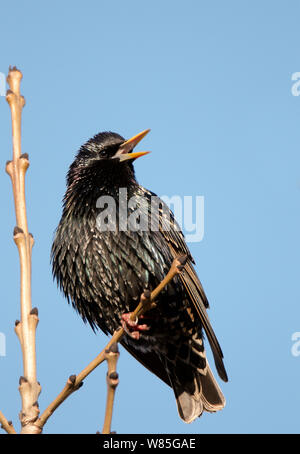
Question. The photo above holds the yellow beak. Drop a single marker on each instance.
(125, 150)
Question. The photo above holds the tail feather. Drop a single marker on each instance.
(212, 397)
(195, 392)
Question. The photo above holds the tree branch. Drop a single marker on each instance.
(112, 379)
(147, 302)
(26, 328)
(6, 425)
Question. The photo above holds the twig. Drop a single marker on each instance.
(147, 302)
(112, 379)
(6, 425)
(26, 328)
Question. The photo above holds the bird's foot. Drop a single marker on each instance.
(132, 327)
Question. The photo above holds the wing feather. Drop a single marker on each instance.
(177, 245)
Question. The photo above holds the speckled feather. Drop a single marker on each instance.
(103, 275)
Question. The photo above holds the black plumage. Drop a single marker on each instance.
(103, 273)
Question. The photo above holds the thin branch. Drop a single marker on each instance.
(6, 425)
(26, 328)
(112, 379)
(147, 302)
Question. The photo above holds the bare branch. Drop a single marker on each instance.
(26, 328)
(112, 379)
(146, 302)
(6, 425)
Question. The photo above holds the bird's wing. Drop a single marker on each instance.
(177, 245)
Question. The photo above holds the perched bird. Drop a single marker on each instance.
(104, 256)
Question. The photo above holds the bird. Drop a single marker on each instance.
(105, 254)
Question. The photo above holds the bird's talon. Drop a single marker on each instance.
(124, 326)
(132, 327)
(126, 318)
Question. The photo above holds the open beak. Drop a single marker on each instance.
(125, 150)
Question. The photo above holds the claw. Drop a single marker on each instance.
(132, 327)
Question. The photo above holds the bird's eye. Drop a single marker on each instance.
(104, 154)
(108, 152)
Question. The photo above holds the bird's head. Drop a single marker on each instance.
(106, 158)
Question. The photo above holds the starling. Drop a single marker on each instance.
(105, 254)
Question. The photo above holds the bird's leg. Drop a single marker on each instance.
(130, 322)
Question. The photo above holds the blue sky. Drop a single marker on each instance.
(213, 82)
